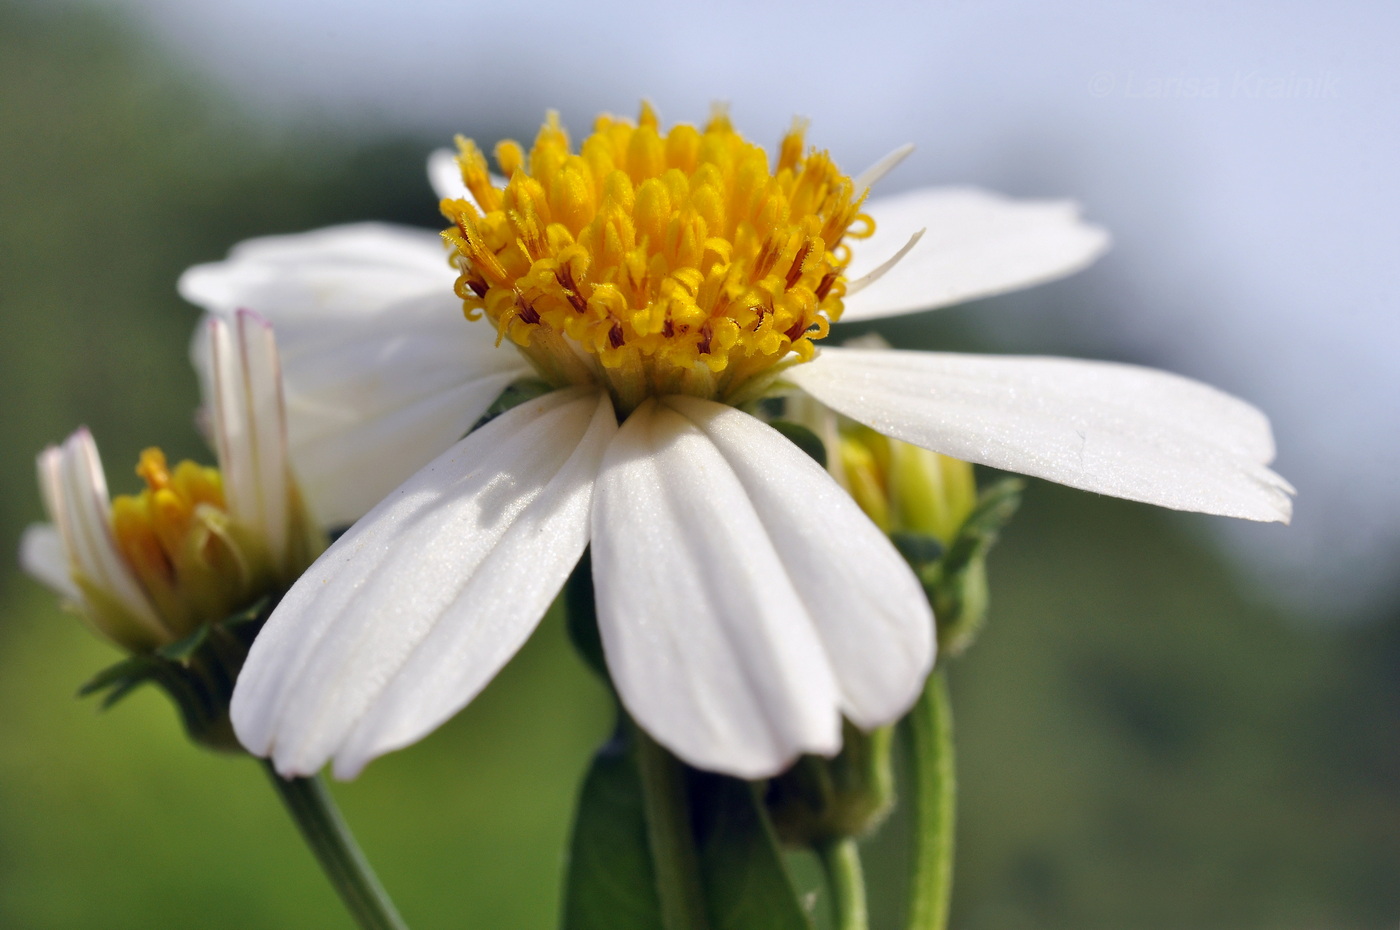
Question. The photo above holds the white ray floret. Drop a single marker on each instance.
(43, 555)
(707, 639)
(976, 244)
(1116, 429)
(380, 374)
(784, 606)
(462, 561)
(74, 489)
(249, 429)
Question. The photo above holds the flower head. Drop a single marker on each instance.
(656, 262)
(196, 543)
(659, 282)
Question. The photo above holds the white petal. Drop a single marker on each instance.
(870, 611)
(410, 613)
(42, 556)
(250, 427)
(977, 244)
(347, 464)
(307, 278)
(381, 371)
(445, 176)
(885, 267)
(1116, 429)
(75, 491)
(367, 411)
(719, 636)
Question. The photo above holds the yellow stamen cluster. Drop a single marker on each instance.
(177, 537)
(655, 262)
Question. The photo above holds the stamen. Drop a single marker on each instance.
(864, 281)
(867, 178)
(649, 257)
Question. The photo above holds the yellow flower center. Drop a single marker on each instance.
(178, 539)
(655, 262)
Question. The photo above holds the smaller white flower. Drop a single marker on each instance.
(197, 543)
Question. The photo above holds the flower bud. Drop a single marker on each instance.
(818, 800)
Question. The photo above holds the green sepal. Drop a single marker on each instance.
(197, 673)
(803, 438)
(746, 880)
(183, 649)
(920, 550)
(610, 883)
(130, 667)
(820, 800)
(256, 615)
(121, 679)
(514, 395)
(956, 584)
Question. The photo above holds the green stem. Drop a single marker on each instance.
(933, 806)
(840, 859)
(670, 836)
(311, 806)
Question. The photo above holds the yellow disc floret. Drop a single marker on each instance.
(176, 535)
(655, 262)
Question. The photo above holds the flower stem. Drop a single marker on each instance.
(840, 859)
(669, 832)
(311, 806)
(933, 806)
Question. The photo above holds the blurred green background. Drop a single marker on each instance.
(1143, 743)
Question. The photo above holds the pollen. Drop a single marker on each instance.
(651, 261)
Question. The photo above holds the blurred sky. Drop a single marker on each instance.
(1244, 156)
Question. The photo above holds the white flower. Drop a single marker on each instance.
(745, 602)
(197, 543)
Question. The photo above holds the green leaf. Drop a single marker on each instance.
(611, 884)
(747, 885)
(803, 438)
